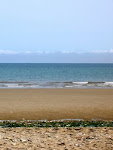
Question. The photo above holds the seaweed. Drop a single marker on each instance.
(25, 123)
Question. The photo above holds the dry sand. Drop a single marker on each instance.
(56, 139)
(36, 104)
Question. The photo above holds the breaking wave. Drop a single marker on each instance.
(56, 84)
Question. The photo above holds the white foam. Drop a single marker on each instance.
(80, 83)
(13, 85)
(69, 86)
(108, 83)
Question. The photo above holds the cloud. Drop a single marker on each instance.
(19, 52)
(67, 52)
(91, 51)
(39, 52)
(102, 51)
(8, 52)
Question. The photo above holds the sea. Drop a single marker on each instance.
(56, 75)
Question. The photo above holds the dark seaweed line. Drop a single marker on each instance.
(6, 124)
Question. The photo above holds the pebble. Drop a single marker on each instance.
(64, 138)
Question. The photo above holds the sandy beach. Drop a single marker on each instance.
(50, 104)
(56, 138)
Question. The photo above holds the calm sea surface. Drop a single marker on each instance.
(56, 75)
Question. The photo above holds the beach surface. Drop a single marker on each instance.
(53, 104)
(56, 138)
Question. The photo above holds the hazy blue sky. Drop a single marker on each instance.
(56, 30)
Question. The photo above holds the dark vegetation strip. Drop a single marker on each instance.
(15, 124)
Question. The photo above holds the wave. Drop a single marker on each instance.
(56, 84)
(12, 82)
(109, 83)
(80, 83)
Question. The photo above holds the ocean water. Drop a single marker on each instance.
(56, 75)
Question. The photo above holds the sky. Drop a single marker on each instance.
(56, 31)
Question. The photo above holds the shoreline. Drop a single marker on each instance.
(56, 104)
(56, 84)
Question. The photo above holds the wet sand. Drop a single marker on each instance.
(50, 104)
(56, 138)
